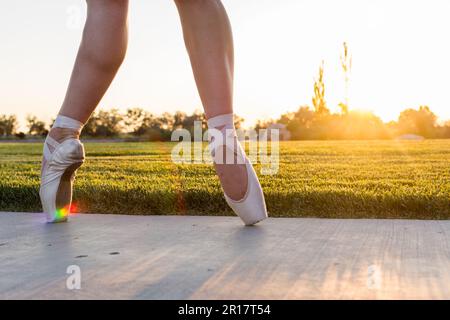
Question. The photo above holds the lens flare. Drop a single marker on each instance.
(65, 211)
(73, 208)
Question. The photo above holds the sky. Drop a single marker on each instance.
(400, 49)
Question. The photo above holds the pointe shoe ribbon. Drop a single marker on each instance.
(252, 207)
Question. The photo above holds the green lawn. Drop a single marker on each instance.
(335, 179)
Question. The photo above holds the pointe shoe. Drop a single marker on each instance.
(252, 207)
(58, 174)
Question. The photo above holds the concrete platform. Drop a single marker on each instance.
(185, 257)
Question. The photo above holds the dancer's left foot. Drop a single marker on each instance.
(63, 155)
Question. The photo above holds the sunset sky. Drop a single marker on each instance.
(401, 56)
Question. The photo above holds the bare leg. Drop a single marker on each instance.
(209, 42)
(100, 55)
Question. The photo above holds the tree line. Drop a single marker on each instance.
(134, 122)
(307, 123)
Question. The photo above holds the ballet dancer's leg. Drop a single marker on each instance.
(209, 42)
(100, 55)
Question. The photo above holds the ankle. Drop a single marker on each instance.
(61, 134)
(65, 128)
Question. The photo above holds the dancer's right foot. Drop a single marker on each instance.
(239, 181)
(63, 155)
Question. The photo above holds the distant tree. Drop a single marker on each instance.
(421, 122)
(8, 125)
(178, 119)
(189, 120)
(346, 64)
(90, 127)
(35, 126)
(166, 121)
(20, 135)
(156, 128)
(134, 118)
(149, 126)
(108, 123)
(318, 100)
(182, 120)
(299, 123)
(285, 118)
(143, 123)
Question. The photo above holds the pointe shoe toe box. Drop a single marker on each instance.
(252, 208)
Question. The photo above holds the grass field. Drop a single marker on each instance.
(345, 179)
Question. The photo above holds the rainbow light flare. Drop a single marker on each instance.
(64, 212)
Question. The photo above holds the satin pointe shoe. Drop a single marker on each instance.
(61, 160)
(252, 207)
